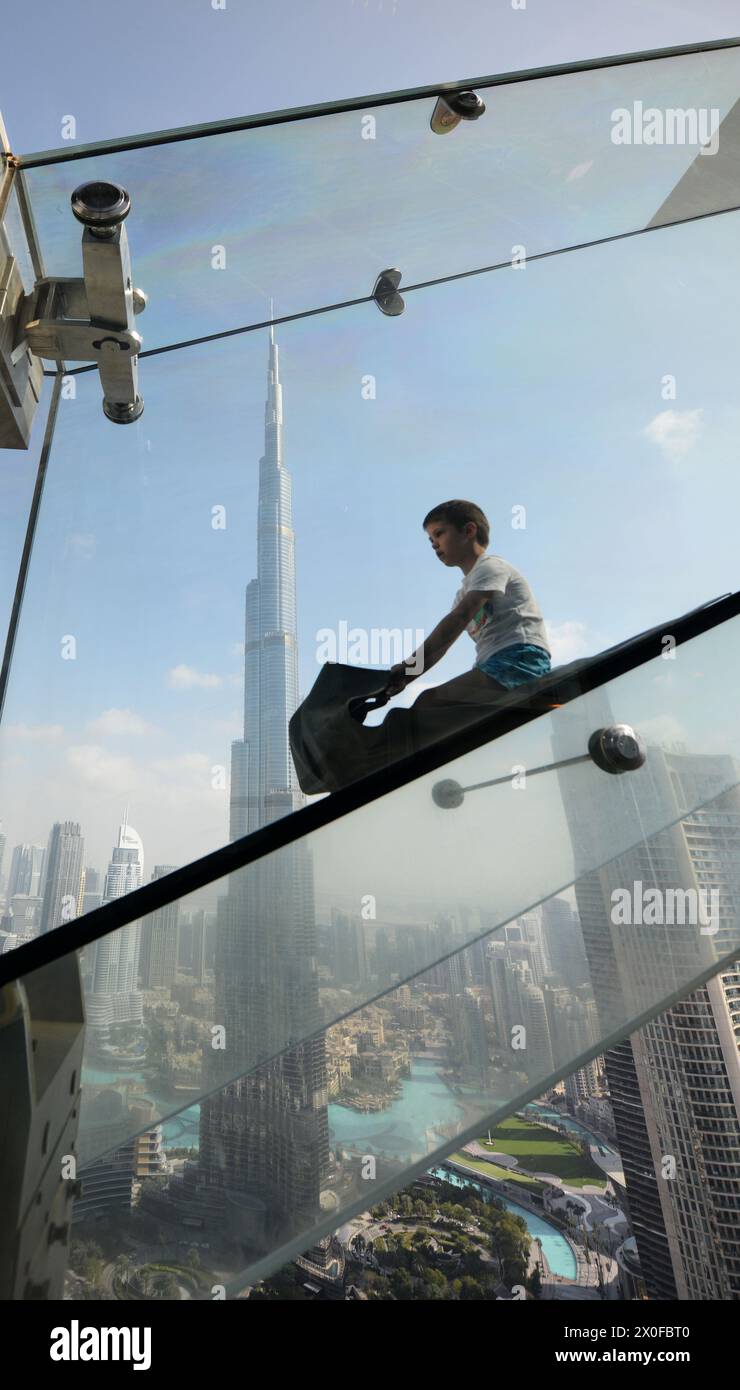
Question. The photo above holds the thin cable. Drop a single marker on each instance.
(335, 108)
(408, 289)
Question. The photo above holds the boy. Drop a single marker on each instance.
(496, 606)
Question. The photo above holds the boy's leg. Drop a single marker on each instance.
(473, 687)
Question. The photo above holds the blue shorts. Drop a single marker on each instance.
(515, 665)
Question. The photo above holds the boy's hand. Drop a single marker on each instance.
(398, 679)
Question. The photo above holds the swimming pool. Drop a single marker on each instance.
(555, 1247)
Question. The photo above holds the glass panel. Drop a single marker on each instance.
(312, 211)
(19, 466)
(17, 239)
(19, 473)
(148, 534)
(288, 1154)
(206, 989)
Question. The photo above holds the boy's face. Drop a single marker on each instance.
(449, 544)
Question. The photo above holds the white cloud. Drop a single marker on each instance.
(38, 733)
(96, 766)
(82, 544)
(167, 784)
(675, 432)
(579, 171)
(119, 721)
(185, 677)
(568, 641)
(231, 727)
(183, 762)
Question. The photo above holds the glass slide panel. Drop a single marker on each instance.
(19, 472)
(207, 989)
(312, 211)
(19, 466)
(288, 1154)
(127, 686)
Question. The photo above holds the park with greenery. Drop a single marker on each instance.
(448, 1244)
(538, 1149)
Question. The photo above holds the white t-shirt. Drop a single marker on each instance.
(511, 615)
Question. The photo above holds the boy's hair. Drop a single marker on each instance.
(457, 513)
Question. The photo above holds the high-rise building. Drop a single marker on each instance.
(687, 1060)
(114, 995)
(348, 956)
(93, 895)
(64, 880)
(675, 1084)
(108, 1183)
(582, 1084)
(26, 870)
(264, 1139)
(195, 952)
(26, 915)
(564, 941)
(159, 941)
(468, 1042)
(536, 1055)
(530, 928)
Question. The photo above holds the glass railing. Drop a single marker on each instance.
(126, 685)
(292, 1151)
(411, 935)
(23, 470)
(436, 1063)
(20, 484)
(311, 210)
(406, 864)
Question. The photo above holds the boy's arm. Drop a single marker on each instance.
(438, 642)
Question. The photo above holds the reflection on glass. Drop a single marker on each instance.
(20, 469)
(270, 1165)
(312, 211)
(206, 990)
(129, 681)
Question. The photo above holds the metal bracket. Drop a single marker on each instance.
(88, 319)
(614, 749)
(385, 293)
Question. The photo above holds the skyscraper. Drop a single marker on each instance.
(159, 941)
(264, 1139)
(114, 996)
(93, 894)
(64, 884)
(675, 1084)
(687, 1061)
(26, 870)
(562, 932)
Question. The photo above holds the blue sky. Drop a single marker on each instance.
(540, 389)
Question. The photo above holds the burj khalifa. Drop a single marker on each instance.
(264, 784)
(264, 1138)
